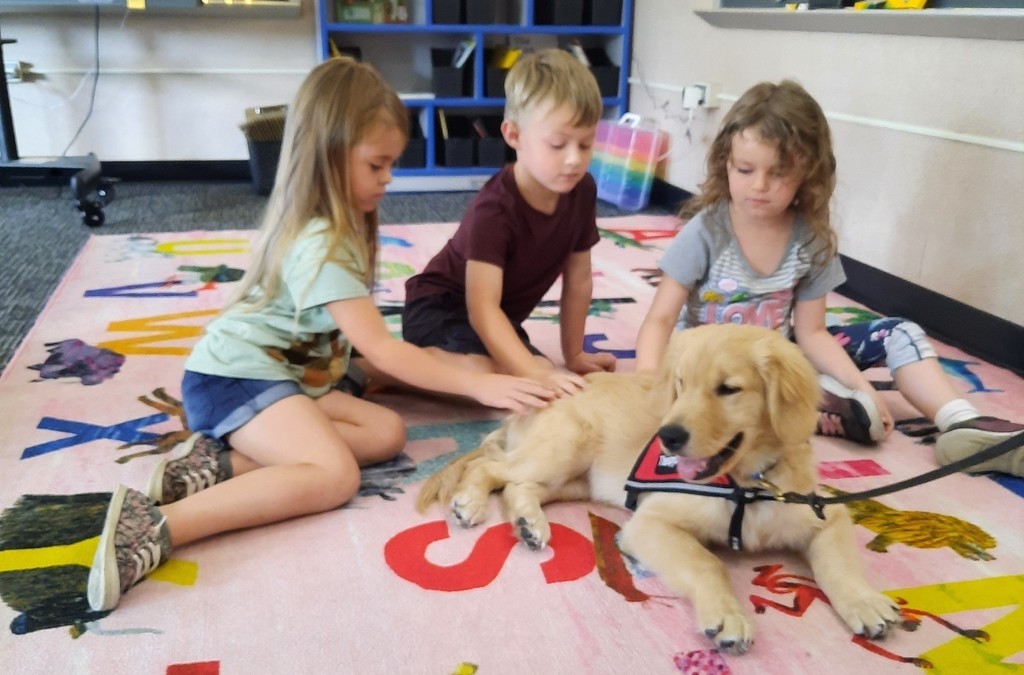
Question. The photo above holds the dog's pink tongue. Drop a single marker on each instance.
(690, 467)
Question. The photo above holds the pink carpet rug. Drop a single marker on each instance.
(90, 400)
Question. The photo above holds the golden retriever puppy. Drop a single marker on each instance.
(729, 401)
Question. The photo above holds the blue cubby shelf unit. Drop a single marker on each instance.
(401, 52)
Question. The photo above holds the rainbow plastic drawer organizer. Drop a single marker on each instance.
(625, 155)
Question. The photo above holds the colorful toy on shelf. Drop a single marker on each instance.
(625, 156)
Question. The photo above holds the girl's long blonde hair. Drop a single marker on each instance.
(337, 104)
(786, 114)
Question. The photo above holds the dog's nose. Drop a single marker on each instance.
(673, 437)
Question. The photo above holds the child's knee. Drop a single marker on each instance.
(394, 434)
(907, 343)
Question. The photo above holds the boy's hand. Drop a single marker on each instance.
(584, 363)
(562, 382)
(511, 393)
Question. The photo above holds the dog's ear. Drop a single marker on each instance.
(791, 385)
(664, 390)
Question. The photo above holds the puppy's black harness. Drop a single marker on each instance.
(656, 471)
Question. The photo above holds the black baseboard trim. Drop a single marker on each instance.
(668, 196)
(185, 170)
(984, 335)
(979, 333)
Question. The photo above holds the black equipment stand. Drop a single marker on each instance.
(91, 191)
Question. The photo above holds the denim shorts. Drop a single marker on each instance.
(441, 321)
(218, 405)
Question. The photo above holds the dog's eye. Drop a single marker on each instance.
(726, 389)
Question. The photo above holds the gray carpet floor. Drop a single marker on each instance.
(41, 232)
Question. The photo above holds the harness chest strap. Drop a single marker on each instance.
(655, 471)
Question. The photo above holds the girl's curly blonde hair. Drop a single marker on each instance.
(787, 115)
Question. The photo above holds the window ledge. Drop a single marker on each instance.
(984, 24)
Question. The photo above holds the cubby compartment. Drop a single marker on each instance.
(446, 80)
(602, 12)
(456, 144)
(491, 150)
(605, 72)
(415, 154)
(558, 12)
(447, 11)
(485, 11)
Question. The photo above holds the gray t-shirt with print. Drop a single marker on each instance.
(706, 259)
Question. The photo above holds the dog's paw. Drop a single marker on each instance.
(535, 534)
(732, 633)
(468, 511)
(869, 614)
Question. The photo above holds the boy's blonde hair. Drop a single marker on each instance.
(337, 104)
(787, 115)
(552, 76)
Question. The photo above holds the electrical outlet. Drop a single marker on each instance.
(692, 96)
(709, 94)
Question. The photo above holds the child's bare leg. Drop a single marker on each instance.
(925, 386)
(305, 467)
(964, 431)
(374, 433)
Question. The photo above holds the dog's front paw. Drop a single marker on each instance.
(869, 614)
(534, 533)
(731, 632)
(468, 511)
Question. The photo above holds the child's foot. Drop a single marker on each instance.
(848, 413)
(134, 541)
(193, 465)
(974, 435)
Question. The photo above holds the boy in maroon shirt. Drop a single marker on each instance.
(530, 223)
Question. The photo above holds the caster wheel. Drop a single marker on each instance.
(92, 216)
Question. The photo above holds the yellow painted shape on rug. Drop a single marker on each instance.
(160, 333)
(180, 572)
(963, 655)
(203, 247)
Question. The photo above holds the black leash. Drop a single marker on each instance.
(818, 503)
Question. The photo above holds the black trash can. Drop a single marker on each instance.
(264, 131)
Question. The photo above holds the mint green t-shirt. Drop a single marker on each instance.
(270, 343)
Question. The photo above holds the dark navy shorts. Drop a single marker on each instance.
(441, 321)
(218, 405)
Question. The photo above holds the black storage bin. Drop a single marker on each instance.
(482, 11)
(458, 148)
(558, 12)
(606, 73)
(494, 82)
(602, 12)
(447, 11)
(491, 149)
(263, 159)
(447, 81)
(415, 154)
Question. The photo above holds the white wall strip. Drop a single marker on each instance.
(998, 143)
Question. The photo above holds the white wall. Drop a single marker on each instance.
(943, 214)
(172, 87)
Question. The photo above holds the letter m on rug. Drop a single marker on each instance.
(162, 328)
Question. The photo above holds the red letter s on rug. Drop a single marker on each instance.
(405, 554)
